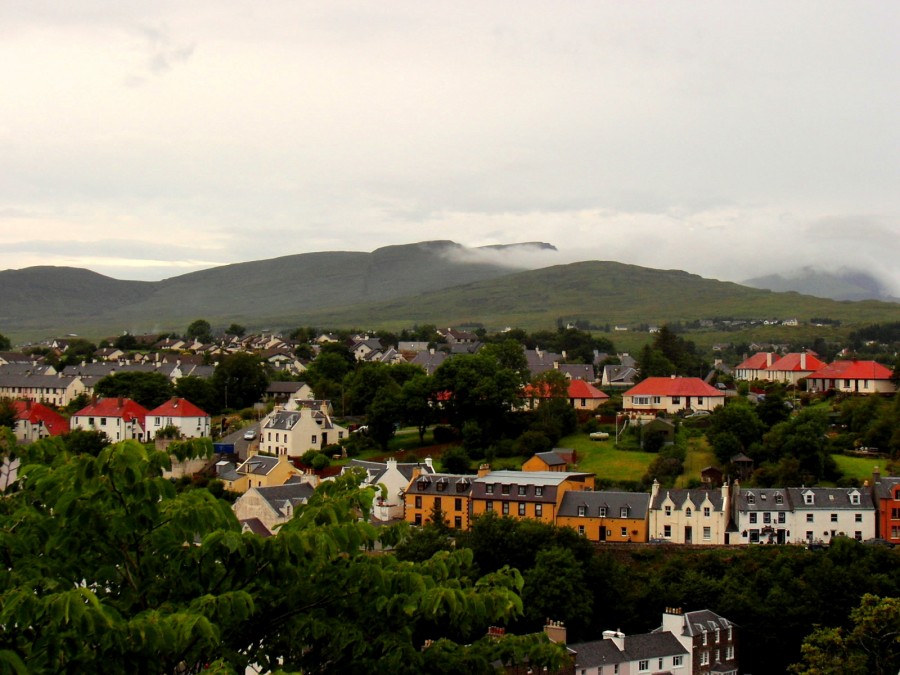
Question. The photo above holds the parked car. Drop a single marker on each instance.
(250, 434)
(698, 413)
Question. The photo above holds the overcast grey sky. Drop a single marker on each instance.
(729, 139)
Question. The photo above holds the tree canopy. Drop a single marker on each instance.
(149, 389)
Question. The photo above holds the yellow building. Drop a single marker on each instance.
(256, 471)
(450, 492)
(525, 494)
(606, 515)
(557, 459)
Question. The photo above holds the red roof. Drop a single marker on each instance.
(582, 389)
(756, 362)
(34, 413)
(177, 407)
(793, 362)
(673, 386)
(115, 407)
(853, 370)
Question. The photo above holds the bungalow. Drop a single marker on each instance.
(606, 515)
(793, 367)
(853, 377)
(754, 367)
(582, 395)
(191, 421)
(671, 395)
(119, 418)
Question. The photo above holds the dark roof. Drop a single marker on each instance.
(762, 499)
(277, 495)
(376, 469)
(830, 498)
(259, 465)
(550, 458)
(652, 645)
(614, 502)
(256, 526)
(453, 484)
(697, 497)
(596, 653)
(884, 488)
(704, 621)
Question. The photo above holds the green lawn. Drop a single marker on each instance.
(858, 467)
(699, 456)
(607, 461)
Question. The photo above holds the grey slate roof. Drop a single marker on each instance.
(551, 458)
(652, 645)
(294, 493)
(578, 371)
(697, 496)
(259, 465)
(636, 502)
(762, 499)
(376, 469)
(830, 498)
(453, 484)
(704, 621)
(255, 525)
(885, 486)
(596, 653)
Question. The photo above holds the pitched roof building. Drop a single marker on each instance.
(119, 418)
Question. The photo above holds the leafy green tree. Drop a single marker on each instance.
(85, 442)
(149, 389)
(870, 646)
(78, 351)
(653, 363)
(200, 391)
(555, 587)
(384, 414)
(801, 441)
(240, 380)
(733, 428)
(126, 342)
(8, 413)
(168, 583)
(417, 399)
(362, 384)
(5, 344)
(772, 409)
(199, 330)
(236, 329)
(455, 460)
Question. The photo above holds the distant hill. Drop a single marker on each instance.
(844, 284)
(436, 282)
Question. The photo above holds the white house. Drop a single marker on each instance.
(671, 395)
(293, 432)
(272, 506)
(820, 514)
(698, 516)
(853, 377)
(191, 421)
(391, 478)
(119, 418)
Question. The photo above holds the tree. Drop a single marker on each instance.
(8, 414)
(126, 342)
(236, 329)
(384, 413)
(417, 398)
(870, 646)
(555, 587)
(199, 391)
(733, 428)
(169, 584)
(149, 389)
(5, 344)
(240, 380)
(455, 460)
(199, 330)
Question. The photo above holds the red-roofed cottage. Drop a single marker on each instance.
(190, 420)
(119, 418)
(671, 395)
(853, 377)
(793, 367)
(582, 395)
(754, 368)
(35, 421)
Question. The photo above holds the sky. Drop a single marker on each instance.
(144, 140)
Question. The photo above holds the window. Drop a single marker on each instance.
(857, 535)
(538, 510)
(521, 508)
(751, 499)
(678, 660)
(313, 440)
(489, 488)
(582, 511)
(808, 498)
(854, 498)
(707, 533)
(157, 422)
(437, 502)
(489, 505)
(729, 633)
(623, 512)
(706, 512)
(676, 400)
(688, 512)
(440, 486)
(643, 665)
(705, 638)
(505, 508)
(418, 502)
(538, 491)
(457, 504)
(833, 517)
(767, 517)
(704, 658)
(102, 421)
(668, 510)
(781, 518)
(624, 532)
(667, 531)
(602, 512)
(729, 650)
(809, 535)
(809, 518)
(418, 519)
(752, 518)
(521, 490)
(857, 518)
(504, 489)
(660, 662)
(895, 514)
(699, 400)
(581, 529)
(457, 522)
(779, 499)
(717, 641)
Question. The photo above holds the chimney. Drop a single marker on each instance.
(802, 360)
(484, 470)
(876, 476)
(429, 463)
(120, 402)
(769, 360)
(673, 621)
(617, 636)
(556, 631)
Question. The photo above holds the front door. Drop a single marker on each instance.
(688, 534)
(603, 533)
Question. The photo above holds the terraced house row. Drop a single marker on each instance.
(726, 515)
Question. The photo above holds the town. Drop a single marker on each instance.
(453, 428)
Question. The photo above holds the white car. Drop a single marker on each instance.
(250, 434)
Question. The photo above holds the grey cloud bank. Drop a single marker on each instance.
(727, 139)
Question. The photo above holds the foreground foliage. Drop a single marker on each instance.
(105, 568)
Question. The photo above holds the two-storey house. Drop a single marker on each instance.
(820, 514)
(886, 493)
(606, 515)
(187, 418)
(293, 432)
(429, 492)
(119, 418)
(525, 494)
(711, 640)
(696, 516)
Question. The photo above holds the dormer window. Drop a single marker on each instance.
(688, 512)
(751, 498)
(779, 499)
(854, 498)
(602, 512)
(582, 511)
(808, 498)
(668, 510)
(504, 489)
(623, 512)
(489, 488)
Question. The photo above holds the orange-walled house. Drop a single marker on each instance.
(256, 471)
(886, 493)
(606, 515)
(525, 494)
(557, 459)
(449, 491)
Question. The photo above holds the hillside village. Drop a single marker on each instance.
(283, 415)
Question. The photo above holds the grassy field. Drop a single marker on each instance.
(607, 461)
(858, 467)
(699, 456)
